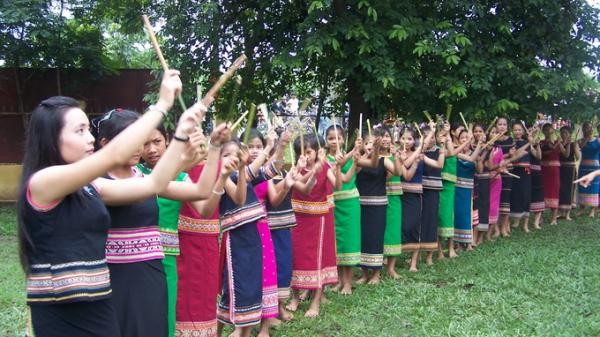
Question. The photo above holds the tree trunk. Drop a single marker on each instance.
(322, 97)
(355, 97)
(357, 104)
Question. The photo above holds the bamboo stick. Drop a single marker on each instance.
(226, 76)
(250, 121)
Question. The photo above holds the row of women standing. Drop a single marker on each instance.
(233, 238)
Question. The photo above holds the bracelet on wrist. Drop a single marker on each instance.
(155, 108)
(181, 139)
(219, 192)
(213, 146)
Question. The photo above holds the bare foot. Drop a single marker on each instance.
(285, 315)
(324, 299)
(274, 321)
(452, 254)
(441, 256)
(313, 311)
(470, 248)
(303, 295)
(337, 287)
(392, 273)
(374, 280)
(362, 280)
(569, 218)
(293, 305)
(346, 289)
(429, 260)
(413, 269)
(526, 229)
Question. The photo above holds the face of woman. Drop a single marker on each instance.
(369, 146)
(457, 131)
(547, 131)
(518, 131)
(479, 134)
(311, 156)
(154, 148)
(463, 138)
(501, 125)
(332, 141)
(255, 147)
(386, 140)
(565, 134)
(407, 140)
(229, 150)
(75, 142)
(493, 132)
(441, 138)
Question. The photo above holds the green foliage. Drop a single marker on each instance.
(371, 56)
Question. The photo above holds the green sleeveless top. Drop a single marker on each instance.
(449, 169)
(393, 186)
(348, 189)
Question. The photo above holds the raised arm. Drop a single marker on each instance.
(48, 185)
(112, 191)
(207, 207)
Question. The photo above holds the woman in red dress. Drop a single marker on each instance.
(551, 150)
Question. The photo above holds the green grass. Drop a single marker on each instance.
(546, 283)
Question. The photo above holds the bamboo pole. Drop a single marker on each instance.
(159, 53)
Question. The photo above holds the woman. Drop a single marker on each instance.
(60, 145)
(507, 145)
(520, 196)
(590, 154)
(551, 149)
(568, 172)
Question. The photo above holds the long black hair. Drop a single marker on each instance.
(41, 150)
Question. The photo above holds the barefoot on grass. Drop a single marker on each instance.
(293, 305)
(285, 315)
(346, 289)
(362, 280)
(393, 274)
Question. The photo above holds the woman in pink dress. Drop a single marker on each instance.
(494, 163)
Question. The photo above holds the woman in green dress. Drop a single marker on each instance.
(446, 210)
(347, 211)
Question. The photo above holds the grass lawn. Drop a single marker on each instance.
(546, 283)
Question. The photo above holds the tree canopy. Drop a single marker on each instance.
(374, 57)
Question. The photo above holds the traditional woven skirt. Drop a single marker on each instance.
(483, 202)
(429, 220)
(392, 241)
(463, 228)
(313, 246)
(495, 192)
(282, 242)
(140, 297)
(551, 176)
(373, 225)
(85, 319)
(520, 197)
(242, 277)
(198, 286)
(347, 231)
(411, 221)
(270, 300)
(537, 192)
(170, 266)
(566, 194)
(588, 196)
(505, 194)
(446, 210)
